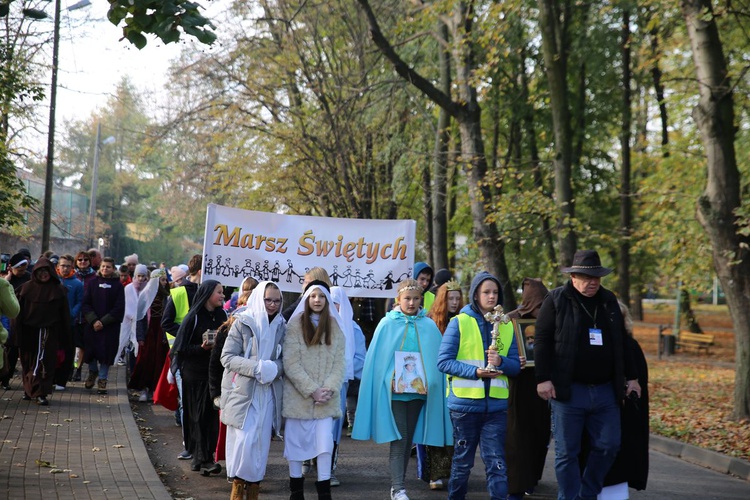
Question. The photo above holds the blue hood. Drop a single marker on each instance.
(476, 282)
(423, 266)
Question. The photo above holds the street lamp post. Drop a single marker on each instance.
(48, 177)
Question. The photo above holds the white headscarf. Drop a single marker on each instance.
(148, 293)
(140, 270)
(137, 304)
(329, 302)
(347, 316)
(256, 317)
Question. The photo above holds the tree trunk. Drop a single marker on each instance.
(637, 310)
(530, 129)
(427, 200)
(468, 114)
(555, 62)
(442, 143)
(623, 263)
(491, 248)
(656, 76)
(686, 309)
(714, 116)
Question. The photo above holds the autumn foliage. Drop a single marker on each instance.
(691, 394)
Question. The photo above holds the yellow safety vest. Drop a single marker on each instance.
(427, 301)
(181, 307)
(471, 351)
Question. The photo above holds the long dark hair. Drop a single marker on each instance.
(312, 335)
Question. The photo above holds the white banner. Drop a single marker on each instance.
(367, 257)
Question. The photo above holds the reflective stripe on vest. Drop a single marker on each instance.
(181, 307)
(429, 298)
(471, 351)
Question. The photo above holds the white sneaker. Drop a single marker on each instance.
(143, 398)
(437, 484)
(399, 495)
(59, 387)
(335, 481)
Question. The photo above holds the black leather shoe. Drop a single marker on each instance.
(42, 401)
(26, 397)
(195, 466)
(211, 468)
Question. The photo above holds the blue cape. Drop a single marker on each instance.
(374, 418)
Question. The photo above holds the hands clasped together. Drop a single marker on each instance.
(322, 395)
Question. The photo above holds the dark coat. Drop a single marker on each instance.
(555, 342)
(104, 300)
(41, 328)
(528, 433)
(631, 464)
(215, 368)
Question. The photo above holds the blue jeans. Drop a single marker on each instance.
(594, 409)
(488, 431)
(101, 368)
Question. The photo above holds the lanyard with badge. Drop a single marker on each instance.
(595, 334)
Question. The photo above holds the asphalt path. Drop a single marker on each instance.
(362, 469)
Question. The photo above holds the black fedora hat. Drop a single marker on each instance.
(587, 262)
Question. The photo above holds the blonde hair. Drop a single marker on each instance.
(407, 285)
(319, 274)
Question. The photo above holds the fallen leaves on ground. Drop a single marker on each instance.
(692, 395)
(692, 402)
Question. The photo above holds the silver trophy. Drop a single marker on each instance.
(496, 317)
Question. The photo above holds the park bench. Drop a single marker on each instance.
(696, 341)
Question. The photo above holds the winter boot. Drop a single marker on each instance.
(324, 489)
(91, 380)
(238, 489)
(297, 488)
(252, 491)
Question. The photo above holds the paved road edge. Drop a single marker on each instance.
(142, 460)
(706, 458)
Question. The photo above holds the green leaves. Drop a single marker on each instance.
(34, 13)
(168, 20)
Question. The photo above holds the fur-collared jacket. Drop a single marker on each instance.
(306, 368)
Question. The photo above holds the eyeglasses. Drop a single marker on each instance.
(586, 278)
(272, 302)
(82, 260)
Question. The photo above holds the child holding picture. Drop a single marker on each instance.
(390, 410)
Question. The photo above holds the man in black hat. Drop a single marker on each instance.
(583, 368)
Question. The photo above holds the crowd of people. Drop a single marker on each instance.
(441, 375)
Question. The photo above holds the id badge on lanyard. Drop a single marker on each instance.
(595, 336)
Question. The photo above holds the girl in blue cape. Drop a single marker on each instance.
(387, 415)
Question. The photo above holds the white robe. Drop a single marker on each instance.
(247, 448)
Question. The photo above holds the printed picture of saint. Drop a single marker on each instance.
(411, 379)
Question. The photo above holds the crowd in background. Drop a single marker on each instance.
(438, 374)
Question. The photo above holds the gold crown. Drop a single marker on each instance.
(453, 286)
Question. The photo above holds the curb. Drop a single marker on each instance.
(699, 456)
(157, 489)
